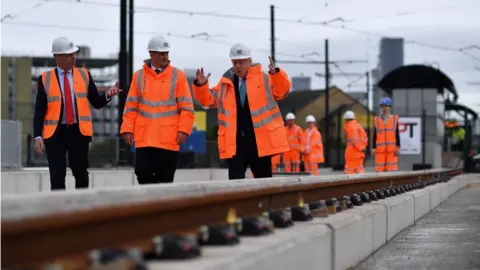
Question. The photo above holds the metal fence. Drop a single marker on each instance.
(11, 144)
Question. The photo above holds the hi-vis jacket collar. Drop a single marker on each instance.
(148, 65)
(255, 69)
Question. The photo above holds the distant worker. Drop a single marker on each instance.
(356, 143)
(313, 149)
(458, 138)
(291, 158)
(251, 128)
(386, 138)
(276, 159)
(158, 116)
(63, 122)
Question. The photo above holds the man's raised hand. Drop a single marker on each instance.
(200, 78)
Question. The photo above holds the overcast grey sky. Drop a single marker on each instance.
(450, 24)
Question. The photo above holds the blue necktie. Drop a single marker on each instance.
(243, 91)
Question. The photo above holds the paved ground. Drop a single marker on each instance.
(447, 238)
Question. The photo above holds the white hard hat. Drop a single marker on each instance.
(63, 45)
(310, 119)
(349, 115)
(240, 51)
(290, 116)
(158, 44)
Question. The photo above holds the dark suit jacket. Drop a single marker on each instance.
(97, 100)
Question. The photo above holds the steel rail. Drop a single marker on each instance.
(36, 240)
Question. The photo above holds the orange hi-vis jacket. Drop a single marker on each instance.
(386, 134)
(54, 101)
(363, 136)
(262, 92)
(295, 138)
(158, 106)
(355, 140)
(313, 146)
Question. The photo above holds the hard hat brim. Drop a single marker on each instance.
(69, 51)
(239, 57)
(159, 50)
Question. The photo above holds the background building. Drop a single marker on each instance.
(391, 57)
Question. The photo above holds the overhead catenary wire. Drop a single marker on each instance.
(170, 34)
(326, 23)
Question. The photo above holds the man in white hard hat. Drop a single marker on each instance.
(291, 158)
(158, 116)
(62, 121)
(251, 128)
(356, 140)
(313, 149)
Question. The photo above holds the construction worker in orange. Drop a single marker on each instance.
(313, 148)
(250, 125)
(276, 159)
(355, 151)
(158, 116)
(291, 159)
(386, 138)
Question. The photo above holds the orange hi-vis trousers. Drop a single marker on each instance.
(354, 166)
(275, 162)
(310, 167)
(386, 162)
(291, 161)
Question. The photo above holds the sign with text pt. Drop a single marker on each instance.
(410, 129)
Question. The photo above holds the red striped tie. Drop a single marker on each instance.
(68, 100)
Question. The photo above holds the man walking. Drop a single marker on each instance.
(386, 138)
(251, 128)
(158, 116)
(62, 120)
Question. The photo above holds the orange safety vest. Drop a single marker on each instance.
(386, 140)
(54, 101)
(295, 138)
(313, 145)
(262, 92)
(158, 106)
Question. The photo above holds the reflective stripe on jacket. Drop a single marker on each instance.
(385, 132)
(54, 101)
(158, 106)
(262, 92)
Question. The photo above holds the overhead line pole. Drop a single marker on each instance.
(122, 154)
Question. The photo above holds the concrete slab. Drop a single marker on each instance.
(306, 246)
(357, 233)
(447, 238)
(421, 199)
(115, 178)
(400, 213)
(435, 196)
(453, 186)
(26, 183)
(444, 192)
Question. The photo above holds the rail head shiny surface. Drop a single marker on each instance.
(72, 231)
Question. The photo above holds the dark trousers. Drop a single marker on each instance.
(155, 165)
(67, 139)
(247, 156)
